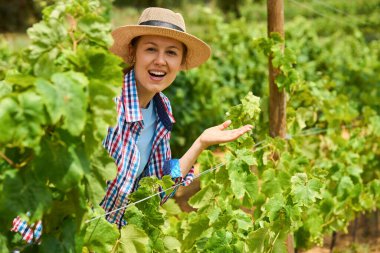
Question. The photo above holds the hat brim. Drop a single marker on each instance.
(197, 51)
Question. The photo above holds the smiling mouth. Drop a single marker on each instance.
(158, 74)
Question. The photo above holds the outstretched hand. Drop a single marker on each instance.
(219, 134)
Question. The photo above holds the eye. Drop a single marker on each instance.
(151, 49)
(172, 52)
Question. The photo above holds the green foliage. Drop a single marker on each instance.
(100, 235)
(320, 180)
(233, 70)
(54, 109)
(56, 102)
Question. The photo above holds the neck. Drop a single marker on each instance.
(144, 100)
(144, 95)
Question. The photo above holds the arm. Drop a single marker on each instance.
(211, 136)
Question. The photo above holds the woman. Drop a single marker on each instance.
(157, 48)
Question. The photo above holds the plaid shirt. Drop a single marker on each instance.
(120, 143)
(30, 233)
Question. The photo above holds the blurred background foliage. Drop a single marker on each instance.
(335, 41)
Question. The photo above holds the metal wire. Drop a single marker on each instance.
(312, 131)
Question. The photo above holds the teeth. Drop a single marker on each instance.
(157, 73)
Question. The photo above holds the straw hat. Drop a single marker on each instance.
(162, 22)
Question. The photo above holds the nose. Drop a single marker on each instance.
(160, 59)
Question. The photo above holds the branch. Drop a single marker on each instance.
(11, 163)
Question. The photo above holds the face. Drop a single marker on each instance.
(158, 60)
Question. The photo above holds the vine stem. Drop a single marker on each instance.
(333, 241)
(327, 223)
(12, 163)
(97, 223)
(16, 165)
(115, 246)
(272, 243)
(73, 27)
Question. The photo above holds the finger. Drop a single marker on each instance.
(225, 124)
(243, 129)
(236, 133)
(248, 127)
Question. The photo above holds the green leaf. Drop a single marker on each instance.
(5, 88)
(21, 123)
(133, 240)
(100, 235)
(97, 177)
(66, 96)
(257, 241)
(149, 208)
(22, 192)
(252, 186)
(271, 184)
(221, 176)
(355, 171)
(243, 220)
(8, 110)
(52, 99)
(293, 215)
(62, 164)
(21, 79)
(345, 186)
(242, 183)
(46, 36)
(220, 241)
(374, 186)
(237, 183)
(304, 191)
(246, 112)
(71, 88)
(149, 182)
(213, 213)
(96, 29)
(374, 126)
(135, 216)
(167, 183)
(172, 244)
(3, 244)
(51, 244)
(246, 155)
(68, 238)
(274, 205)
(200, 224)
(202, 198)
(76, 170)
(314, 223)
(171, 207)
(46, 65)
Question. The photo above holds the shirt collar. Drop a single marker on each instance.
(131, 104)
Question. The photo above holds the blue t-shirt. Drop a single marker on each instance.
(145, 141)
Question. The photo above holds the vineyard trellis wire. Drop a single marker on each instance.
(307, 132)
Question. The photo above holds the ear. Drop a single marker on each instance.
(183, 65)
(131, 54)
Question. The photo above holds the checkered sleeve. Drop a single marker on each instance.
(30, 233)
(172, 167)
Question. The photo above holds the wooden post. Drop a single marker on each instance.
(277, 99)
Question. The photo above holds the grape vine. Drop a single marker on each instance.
(55, 104)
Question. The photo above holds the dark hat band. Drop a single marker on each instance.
(162, 24)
